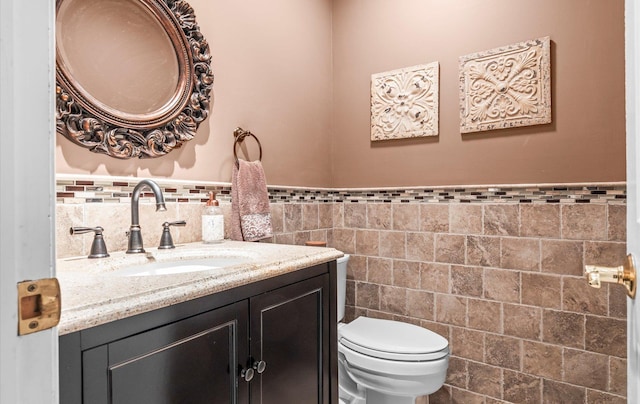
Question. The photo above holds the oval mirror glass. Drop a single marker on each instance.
(136, 77)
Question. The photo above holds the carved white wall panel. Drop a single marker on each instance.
(506, 87)
(404, 102)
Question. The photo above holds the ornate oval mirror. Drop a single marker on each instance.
(133, 77)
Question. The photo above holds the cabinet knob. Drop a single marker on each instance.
(247, 374)
(259, 366)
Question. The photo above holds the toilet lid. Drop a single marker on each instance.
(393, 340)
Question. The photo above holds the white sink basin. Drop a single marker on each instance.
(181, 267)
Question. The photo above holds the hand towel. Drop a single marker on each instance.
(250, 213)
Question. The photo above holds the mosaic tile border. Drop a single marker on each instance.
(117, 190)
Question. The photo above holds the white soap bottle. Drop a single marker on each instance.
(212, 221)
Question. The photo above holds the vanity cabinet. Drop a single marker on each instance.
(272, 341)
(181, 362)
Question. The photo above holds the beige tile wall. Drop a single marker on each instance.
(503, 283)
(115, 218)
(292, 224)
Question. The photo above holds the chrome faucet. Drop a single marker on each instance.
(135, 236)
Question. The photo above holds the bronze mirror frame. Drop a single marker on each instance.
(87, 122)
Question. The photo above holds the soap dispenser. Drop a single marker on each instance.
(212, 221)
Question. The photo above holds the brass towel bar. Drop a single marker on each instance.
(240, 134)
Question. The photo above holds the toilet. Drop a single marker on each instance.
(383, 361)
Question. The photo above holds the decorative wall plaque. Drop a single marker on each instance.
(506, 87)
(404, 103)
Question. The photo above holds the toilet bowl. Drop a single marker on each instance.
(384, 361)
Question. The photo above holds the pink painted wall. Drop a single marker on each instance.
(272, 66)
(297, 74)
(585, 142)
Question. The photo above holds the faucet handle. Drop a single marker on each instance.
(166, 241)
(98, 247)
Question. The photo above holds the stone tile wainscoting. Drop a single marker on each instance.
(503, 283)
(495, 270)
(298, 215)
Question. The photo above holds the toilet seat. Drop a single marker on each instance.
(383, 361)
(393, 340)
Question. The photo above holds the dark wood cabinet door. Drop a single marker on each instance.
(191, 361)
(289, 327)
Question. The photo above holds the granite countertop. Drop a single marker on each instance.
(97, 291)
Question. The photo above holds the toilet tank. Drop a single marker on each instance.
(342, 284)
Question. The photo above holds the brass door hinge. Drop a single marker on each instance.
(39, 305)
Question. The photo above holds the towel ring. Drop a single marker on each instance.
(240, 134)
